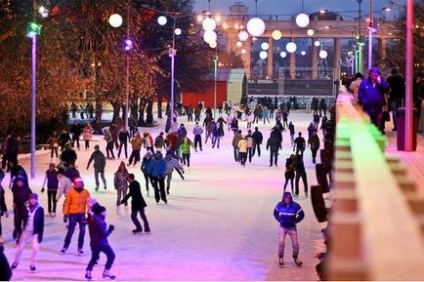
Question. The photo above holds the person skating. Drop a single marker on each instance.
(136, 143)
(99, 166)
(289, 172)
(121, 184)
(300, 170)
(99, 232)
(52, 186)
(197, 132)
(65, 185)
(21, 193)
(257, 141)
(138, 205)
(124, 138)
(314, 145)
(274, 145)
(76, 205)
(288, 213)
(145, 164)
(33, 231)
(299, 144)
(3, 207)
(171, 163)
(157, 169)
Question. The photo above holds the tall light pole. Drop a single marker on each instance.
(358, 61)
(34, 29)
(370, 35)
(172, 54)
(215, 63)
(409, 120)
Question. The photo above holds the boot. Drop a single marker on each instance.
(297, 261)
(281, 260)
(88, 275)
(107, 275)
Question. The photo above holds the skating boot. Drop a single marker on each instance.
(88, 275)
(297, 261)
(107, 275)
(281, 260)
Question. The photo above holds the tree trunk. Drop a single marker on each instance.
(159, 104)
(141, 108)
(116, 109)
(149, 112)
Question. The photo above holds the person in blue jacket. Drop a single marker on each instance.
(372, 96)
(157, 169)
(288, 213)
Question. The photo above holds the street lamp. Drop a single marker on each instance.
(115, 20)
(34, 29)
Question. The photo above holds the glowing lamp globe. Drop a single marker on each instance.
(264, 46)
(317, 43)
(291, 47)
(276, 34)
(115, 20)
(213, 44)
(162, 20)
(209, 36)
(263, 55)
(177, 31)
(256, 26)
(303, 53)
(310, 32)
(323, 54)
(302, 20)
(243, 35)
(239, 43)
(283, 54)
(209, 24)
(243, 51)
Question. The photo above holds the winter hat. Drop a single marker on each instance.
(78, 183)
(98, 209)
(33, 196)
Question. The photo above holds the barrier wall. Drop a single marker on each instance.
(377, 220)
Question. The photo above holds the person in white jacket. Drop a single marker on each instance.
(65, 184)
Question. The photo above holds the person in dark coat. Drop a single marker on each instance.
(257, 141)
(137, 205)
(314, 145)
(33, 231)
(3, 207)
(64, 139)
(299, 144)
(52, 182)
(68, 156)
(76, 133)
(15, 171)
(300, 170)
(99, 232)
(5, 270)
(397, 93)
(21, 193)
(124, 138)
(99, 166)
(289, 172)
(274, 145)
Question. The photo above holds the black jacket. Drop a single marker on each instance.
(5, 270)
(137, 201)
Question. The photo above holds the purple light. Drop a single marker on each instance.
(128, 44)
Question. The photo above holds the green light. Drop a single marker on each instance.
(33, 29)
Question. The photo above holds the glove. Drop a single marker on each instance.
(65, 219)
(87, 167)
(40, 238)
(42, 190)
(111, 228)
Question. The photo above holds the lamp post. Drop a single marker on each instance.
(33, 30)
(370, 35)
(409, 133)
(215, 62)
(358, 52)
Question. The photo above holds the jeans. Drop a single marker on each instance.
(198, 141)
(102, 175)
(305, 182)
(95, 255)
(158, 184)
(134, 213)
(186, 159)
(292, 232)
(109, 150)
(258, 146)
(273, 158)
(125, 145)
(73, 220)
(51, 200)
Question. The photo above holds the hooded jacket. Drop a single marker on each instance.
(76, 201)
(288, 215)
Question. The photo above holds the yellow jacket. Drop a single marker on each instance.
(76, 202)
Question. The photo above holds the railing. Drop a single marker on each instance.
(377, 221)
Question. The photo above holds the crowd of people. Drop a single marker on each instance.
(163, 154)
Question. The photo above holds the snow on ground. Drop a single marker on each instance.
(218, 224)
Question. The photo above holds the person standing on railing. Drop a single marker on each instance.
(372, 96)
